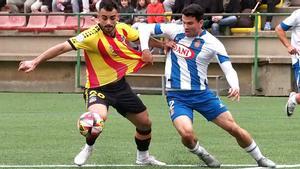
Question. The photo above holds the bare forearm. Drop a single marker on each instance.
(282, 37)
(53, 52)
(156, 43)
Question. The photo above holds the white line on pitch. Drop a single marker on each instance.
(115, 165)
(278, 166)
(243, 166)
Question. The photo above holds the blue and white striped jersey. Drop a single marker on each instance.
(186, 65)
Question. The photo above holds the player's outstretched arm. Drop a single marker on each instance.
(146, 54)
(145, 31)
(30, 65)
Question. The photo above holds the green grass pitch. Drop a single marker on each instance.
(41, 129)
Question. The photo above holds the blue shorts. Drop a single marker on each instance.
(296, 68)
(205, 102)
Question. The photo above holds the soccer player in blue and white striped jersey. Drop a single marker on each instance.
(292, 23)
(191, 51)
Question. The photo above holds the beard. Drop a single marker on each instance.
(108, 29)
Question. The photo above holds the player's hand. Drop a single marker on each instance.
(292, 50)
(27, 66)
(234, 94)
(147, 56)
(169, 44)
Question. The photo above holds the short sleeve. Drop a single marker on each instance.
(130, 33)
(170, 30)
(84, 40)
(292, 20)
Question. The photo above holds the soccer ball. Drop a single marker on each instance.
(90, 124)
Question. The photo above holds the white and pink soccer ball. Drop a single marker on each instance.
(90, 123)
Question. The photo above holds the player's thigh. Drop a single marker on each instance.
(127, 102)
(96, 102)
(183, 125)
(226, 121)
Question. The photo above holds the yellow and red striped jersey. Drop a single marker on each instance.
(108, 58)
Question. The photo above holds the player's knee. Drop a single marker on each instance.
(187, 135)
(145, 124)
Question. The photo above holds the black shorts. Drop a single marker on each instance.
(117, 94)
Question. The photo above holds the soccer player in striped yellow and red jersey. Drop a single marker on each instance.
(109, 57)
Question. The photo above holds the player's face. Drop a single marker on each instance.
(192, 27)
(108, 20)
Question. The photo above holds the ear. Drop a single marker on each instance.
(201, 22)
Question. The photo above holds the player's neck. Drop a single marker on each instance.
(200, 32)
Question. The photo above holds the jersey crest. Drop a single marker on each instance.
(197, 43)
(113, 52)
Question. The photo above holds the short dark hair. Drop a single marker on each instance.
(108, 5)
(193, 10)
